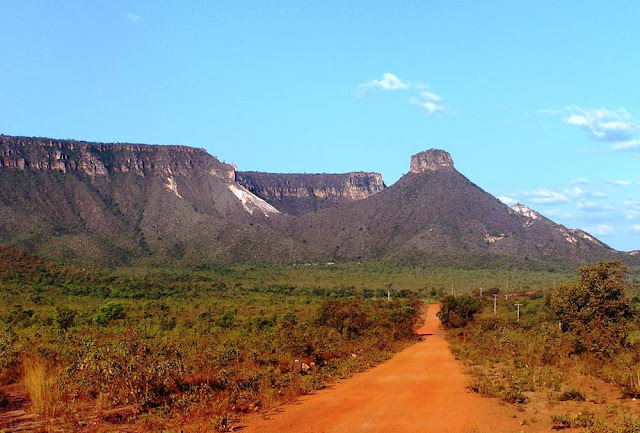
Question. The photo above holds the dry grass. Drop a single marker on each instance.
(633, 390)
(42, 385)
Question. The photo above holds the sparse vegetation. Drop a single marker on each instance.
(165, 346)
(582, 329)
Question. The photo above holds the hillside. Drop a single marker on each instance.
(114, 204)
(434, 210)
(121, 203)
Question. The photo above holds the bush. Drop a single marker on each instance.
(345, 316)
(108, 312)
(595, 309)
(571, 395)
(456, 312)
(64, 318)
(403, 320)
(127, 372)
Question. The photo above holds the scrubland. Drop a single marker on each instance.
(573, 357)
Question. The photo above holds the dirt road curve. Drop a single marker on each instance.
(421, 389)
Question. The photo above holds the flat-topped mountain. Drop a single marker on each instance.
(97, 203)
(296, 194)
(122, 203)
(435, 210)
(100, 159)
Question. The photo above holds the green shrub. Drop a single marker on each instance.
(456, 312)
(595, 309)
(109, 312)
(127, 371)
(64, 318)
(571, 395)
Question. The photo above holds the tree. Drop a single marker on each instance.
(345, 316)
(595, 309)
(456, 312)
(403, 320)
(108, 312)
(64, 318)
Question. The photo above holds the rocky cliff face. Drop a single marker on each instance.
(430, 160)
(96, 204)
(296, 194)
(119, 203)
(100, 159)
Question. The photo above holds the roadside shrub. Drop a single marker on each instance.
(127, 372)
(561, 422)
(345, 316)
(571, 395)
(403, 320)
(456, 312)
(595, 309)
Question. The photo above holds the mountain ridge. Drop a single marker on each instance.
(124, 203)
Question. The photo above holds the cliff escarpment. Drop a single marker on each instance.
(115, 204)
(126, 203)
(101, 159)
(297, 194)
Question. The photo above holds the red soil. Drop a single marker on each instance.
(421, 389)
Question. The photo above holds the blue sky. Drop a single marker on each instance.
(537, 101)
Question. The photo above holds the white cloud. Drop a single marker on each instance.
(545, 196)
(629, 145)
(579, 181)
(133, 17)
(428, 96)
(631, 209)
(618, 182)
(507, 200)
(601, 230)
(603, 124)
(430, 106)
(576, 191)
(390, 82)
(593, 206)
(636, 228)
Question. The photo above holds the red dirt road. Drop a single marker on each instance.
(421, 389)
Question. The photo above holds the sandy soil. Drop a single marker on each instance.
(421, 389)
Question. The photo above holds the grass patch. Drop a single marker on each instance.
(42, 385)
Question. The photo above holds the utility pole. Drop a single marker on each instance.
(518, 305)
(495, 300)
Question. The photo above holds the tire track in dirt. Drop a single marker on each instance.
(421, 389)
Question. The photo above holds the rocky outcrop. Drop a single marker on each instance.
(430, 160)
(296, 194)
(101, 159)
